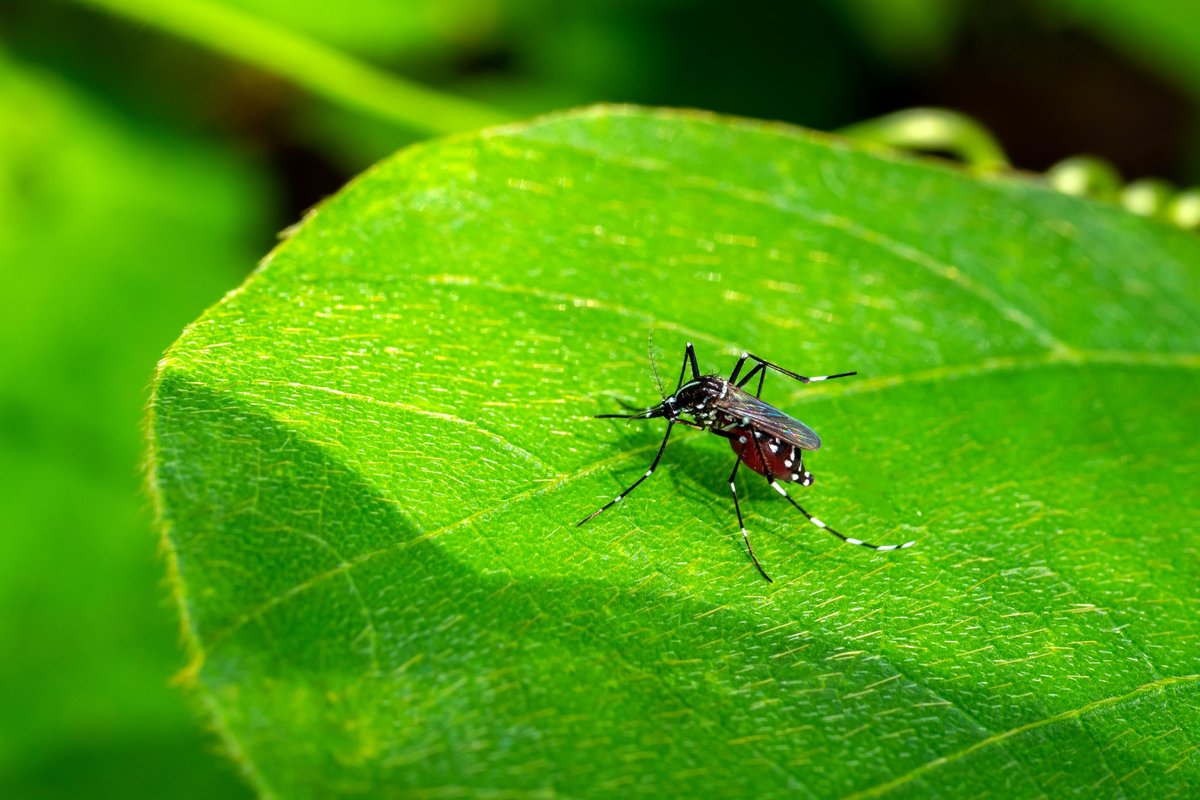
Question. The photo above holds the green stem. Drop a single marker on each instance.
(322, 70)
(933, 129)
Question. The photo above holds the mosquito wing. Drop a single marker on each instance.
(769, 420)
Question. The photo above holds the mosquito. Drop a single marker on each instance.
(765, 439)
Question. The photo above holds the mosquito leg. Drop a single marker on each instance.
(689, 357)
(749, 376)
(691, 354)
(737, 369)
(649, 472)
(758, 370)
(802, 378)
(848, 539)
(737, 507)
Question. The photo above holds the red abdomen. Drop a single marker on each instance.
(783, 460)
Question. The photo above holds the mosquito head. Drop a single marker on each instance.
(664, 409)
(697, 398)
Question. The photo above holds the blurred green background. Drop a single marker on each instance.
(151, 149)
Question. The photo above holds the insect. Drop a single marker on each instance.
(764, 438)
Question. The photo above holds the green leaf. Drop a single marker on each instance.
(371, 457)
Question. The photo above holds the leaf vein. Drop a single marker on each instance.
(1071, 714)
(902, 250)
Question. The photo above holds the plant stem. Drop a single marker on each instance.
(321, 69)
(934, 129)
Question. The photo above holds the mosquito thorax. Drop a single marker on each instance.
(701, 398)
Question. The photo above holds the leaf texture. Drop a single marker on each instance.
(369, 460)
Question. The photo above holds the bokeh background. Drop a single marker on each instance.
(144, 170)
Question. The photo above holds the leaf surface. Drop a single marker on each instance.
(371, 457)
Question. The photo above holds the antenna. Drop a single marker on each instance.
(653, 366)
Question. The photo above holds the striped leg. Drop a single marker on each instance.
(737, 507)
(624, 494)
(819, 523)
(762, 363)
(758, 370)
(689, 358)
